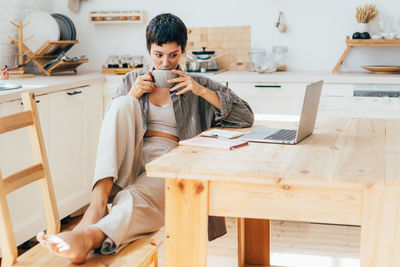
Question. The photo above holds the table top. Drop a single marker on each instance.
(353, 152)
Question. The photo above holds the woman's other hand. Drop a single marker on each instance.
(143, 84)
(184, 80)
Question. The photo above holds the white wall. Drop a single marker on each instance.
(315, 37)
(15, 10)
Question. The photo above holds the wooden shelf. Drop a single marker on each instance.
(117, 17)
(118, 71)
(370, 42)
(364, 42)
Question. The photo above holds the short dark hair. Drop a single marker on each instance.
(166, 28)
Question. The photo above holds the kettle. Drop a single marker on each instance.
(202, 61)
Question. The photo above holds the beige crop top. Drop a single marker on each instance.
(161, 119)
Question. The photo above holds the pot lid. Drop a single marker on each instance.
(204, 52)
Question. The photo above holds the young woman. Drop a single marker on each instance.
(141, 123)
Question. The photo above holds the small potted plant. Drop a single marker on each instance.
(364, 15)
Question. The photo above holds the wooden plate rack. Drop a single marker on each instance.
(40, 57)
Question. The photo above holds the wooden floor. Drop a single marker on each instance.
(294, 244)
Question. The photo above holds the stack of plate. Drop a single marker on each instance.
(44, 27)
(40, 28)
(67, 29)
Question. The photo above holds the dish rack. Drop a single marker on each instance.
(41, 57)
(363, 42)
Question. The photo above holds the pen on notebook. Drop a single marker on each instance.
(215, 136)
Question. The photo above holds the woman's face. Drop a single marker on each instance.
(165, 57)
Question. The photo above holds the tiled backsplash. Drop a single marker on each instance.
(235, 41)
(14, 10)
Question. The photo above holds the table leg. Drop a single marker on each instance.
(380, 228)
(253, 242)
(186, 223)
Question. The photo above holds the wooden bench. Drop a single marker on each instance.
(141, 253)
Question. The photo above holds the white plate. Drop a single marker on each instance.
(42, 27)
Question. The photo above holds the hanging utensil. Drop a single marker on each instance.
(14, 67)
(279, 24)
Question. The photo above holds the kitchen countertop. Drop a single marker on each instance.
(296, 77)
(310, 76)
(43, 84)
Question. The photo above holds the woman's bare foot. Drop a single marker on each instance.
(74, 245)
(92, 215)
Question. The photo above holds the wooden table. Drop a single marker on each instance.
(347, 172)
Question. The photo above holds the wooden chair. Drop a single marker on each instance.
(141, 253)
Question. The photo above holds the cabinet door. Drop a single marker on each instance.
(25, 204)
(336, 100)
(376, 107)
(272, 98)
(75, 117)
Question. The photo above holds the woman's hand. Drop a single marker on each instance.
(186, 81)
(143, 84)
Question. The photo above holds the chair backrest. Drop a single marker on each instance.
(38, 172)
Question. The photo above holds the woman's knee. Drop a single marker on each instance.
(124, 103)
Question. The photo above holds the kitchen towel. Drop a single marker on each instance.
(74, 5)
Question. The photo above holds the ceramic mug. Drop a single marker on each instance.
(161, 78)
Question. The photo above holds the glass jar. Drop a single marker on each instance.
(137, 62)
(268, 65)
(113, 61)
(281, 55)
(126, 61)
(257, 57)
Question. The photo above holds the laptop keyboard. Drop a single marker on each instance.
(283, 135)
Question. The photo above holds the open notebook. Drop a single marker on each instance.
(213, 142)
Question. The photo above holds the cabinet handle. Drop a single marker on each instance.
(267, 86)
(37, 101)
(74, 93)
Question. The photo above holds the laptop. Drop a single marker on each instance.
(306, 125)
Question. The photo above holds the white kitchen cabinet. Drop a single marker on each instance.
(271, 98)
(70, 122)
(25, 204)
(75, 117)
(336, 100)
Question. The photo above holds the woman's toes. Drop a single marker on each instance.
(55, 243)
(41, 237)
(63, 247)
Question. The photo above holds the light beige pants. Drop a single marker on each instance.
(138, 208)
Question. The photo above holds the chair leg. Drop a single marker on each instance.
(155, 259)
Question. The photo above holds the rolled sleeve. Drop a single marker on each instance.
(235, 112)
